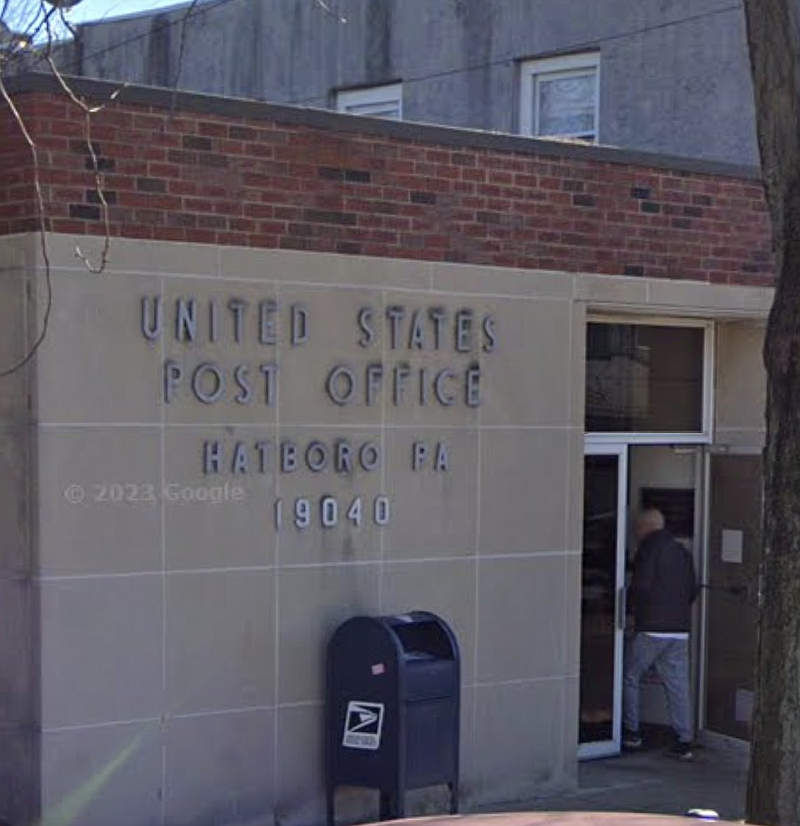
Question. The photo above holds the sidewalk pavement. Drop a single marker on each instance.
(650, 782)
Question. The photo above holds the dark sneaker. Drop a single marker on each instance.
(631, 740)
(680, 751)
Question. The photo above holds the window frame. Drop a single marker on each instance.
(531, 73)
(370, 96)
(705, 435)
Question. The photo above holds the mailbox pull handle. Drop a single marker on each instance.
(621, 608)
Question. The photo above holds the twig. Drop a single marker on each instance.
(179, 67)
(88, 112)
(328, 9)
(42, 220)
(184, 25)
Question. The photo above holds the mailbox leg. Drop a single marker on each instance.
(453, 798)
(330, 796)
(392, 805)
(386, 807)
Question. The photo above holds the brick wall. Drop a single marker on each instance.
(177, 173)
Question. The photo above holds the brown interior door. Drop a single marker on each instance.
(732, 591)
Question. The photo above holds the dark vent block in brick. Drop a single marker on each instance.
(197, 142)
(81, 147)
(329, 216)
(423, 197)
(93, 197)
(103, 164)
(151, 185)
(84, 212)
(357, 176)
(242, 133)
(584, 200)
(331, 174)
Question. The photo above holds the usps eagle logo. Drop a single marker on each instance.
(363, 725)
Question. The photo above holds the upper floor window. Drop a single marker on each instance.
(373, 101)
(560, 97)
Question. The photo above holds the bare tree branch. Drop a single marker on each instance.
(42, 220)
(23, 25)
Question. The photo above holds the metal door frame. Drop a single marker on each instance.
(608, 748)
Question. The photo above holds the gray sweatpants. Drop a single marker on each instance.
(671, 660)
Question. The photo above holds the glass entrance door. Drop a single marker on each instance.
(602, 600)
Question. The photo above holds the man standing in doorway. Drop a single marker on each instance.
(663, 589)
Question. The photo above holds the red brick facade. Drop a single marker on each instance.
(262, 181)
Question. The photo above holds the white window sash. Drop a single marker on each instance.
(373, 101)
(534, 71)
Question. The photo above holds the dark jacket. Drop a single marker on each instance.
(664, 585)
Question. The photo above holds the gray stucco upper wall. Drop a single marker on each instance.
(674, 73)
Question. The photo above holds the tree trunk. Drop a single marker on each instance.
(773, 794)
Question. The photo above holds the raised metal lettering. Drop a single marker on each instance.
(213, 321)
(237, 307)
(442, 461)
(270, 372)
(445, 399)
(212, 457)
(186, 320)
(369, 456)
(241, 463)
(288, 457)
(489, 335)
(242, 377)
(416, 336)
(299, 325)
(365, 315)
(438, 316)
(316, 457)
(395, 315)
(402, 373)
(173, 376)
(264, 449)
(344, 457)
(419, 455)
(340, 375)
(267, 326)
(152, 317)
(464, 331)
(472, 387)
(208, 369)
(374, 379)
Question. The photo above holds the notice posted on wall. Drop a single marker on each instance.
(732, 546)
(744, 706)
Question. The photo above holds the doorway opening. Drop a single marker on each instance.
(619, 481)
(648, 420)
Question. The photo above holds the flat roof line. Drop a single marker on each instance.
(408, 130)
